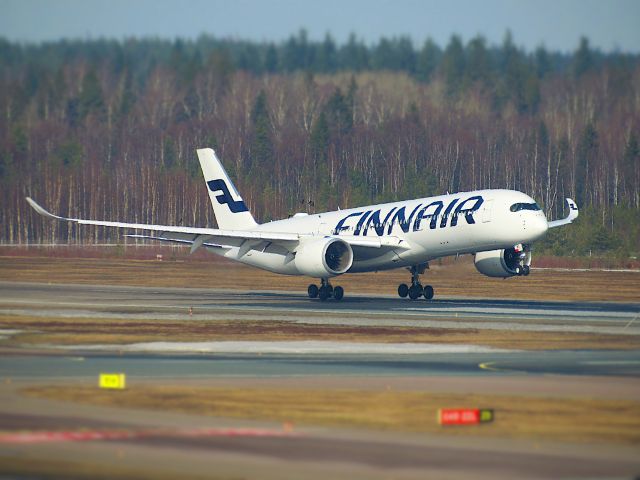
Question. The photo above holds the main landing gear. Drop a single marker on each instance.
(325, 291)
(416, 290)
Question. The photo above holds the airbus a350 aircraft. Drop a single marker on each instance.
(497, 226)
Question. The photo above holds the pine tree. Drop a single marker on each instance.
(453, 65)
(428, 60)
(262, 151)
(582, 59)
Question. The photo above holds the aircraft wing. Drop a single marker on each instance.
(212, 237)
(573, 214)
(188, 234)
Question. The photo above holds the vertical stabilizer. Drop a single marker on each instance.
(230, 210)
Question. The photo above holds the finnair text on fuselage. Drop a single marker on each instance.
(434, 212)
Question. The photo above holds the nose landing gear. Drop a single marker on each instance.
(520, 258)
(325, 291)
(416, 290)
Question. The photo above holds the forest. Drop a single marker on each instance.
(108, 129)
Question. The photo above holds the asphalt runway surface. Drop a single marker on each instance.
(53, 300)
(314, 452)
(159, 366)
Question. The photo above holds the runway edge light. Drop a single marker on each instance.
(464, 416)
(113, 381)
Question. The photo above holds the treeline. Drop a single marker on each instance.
(108, 129)
(508, 71)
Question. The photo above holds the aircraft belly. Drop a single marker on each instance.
(387, 261)
(267, 260)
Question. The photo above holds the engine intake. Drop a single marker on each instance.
(324, 258)
(502, 263)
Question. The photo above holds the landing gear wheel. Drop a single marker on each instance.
(519, 270)
(338, 293)
(526, 270)
(323, 293)
(414, 292)
(312, 291)
(427, 292)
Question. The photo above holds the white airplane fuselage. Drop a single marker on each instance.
(425, 229)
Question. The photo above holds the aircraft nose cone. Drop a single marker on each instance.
(539, 226)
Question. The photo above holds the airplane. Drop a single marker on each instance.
(496, 226)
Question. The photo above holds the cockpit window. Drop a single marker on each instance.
(516, 207)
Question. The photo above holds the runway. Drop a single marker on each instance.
(54, 300)
(159, 443)
(162, 366)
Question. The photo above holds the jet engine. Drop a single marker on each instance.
(324, 258)
(504, 263)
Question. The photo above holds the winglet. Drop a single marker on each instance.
(573, 214)
(42, 211)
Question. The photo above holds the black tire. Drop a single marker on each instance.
(323, 293)
(518, 270)
(312, 291)
(427, 291)
(403, 290)
(414, 292)
(338, 293)
(526, 270)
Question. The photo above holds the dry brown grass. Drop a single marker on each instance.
(455, 279)
(87, 331)
(560, 419)
(21, 467)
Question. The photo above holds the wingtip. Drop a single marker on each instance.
(40, 210)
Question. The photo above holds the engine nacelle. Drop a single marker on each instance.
(324, 258)
(502, 263)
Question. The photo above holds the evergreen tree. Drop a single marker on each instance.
(542, 61)
(262, 151)
(339, 114)
(582, 59)
(478, 68)
(297, 54)
(68, 155)
(428, 60)
(169, 154)
(631, 165)
(271, 59)
(354, 55)
(453, 65)
(326, 59)
(587, 150)
(91, 99)
(320, 139)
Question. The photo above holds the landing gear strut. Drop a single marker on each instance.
(325, 291)
(520, 251)
(416, 290)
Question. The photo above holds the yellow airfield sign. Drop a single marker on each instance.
(113, 381)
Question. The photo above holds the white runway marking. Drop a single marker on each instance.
(293, 347)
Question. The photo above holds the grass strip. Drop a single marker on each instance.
(42, 331)
(558, 419)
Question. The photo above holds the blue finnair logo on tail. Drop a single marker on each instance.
(225, 197)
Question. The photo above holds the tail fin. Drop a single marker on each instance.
(228, 206)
